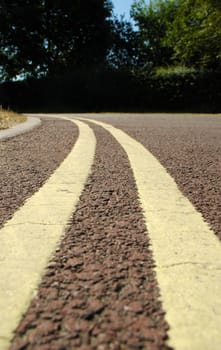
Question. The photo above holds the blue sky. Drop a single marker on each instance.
(123, 7)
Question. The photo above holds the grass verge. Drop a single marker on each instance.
(9, 119)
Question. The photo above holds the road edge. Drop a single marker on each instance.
(31, 123)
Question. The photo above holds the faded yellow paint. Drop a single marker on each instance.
(29, 239)
(186, 251)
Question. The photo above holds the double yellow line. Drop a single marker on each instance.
(186, 251)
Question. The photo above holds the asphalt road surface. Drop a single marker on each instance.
(110, 233)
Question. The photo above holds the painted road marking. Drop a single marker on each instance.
(29, 239)
(186, 251)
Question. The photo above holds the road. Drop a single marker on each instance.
(110, 238)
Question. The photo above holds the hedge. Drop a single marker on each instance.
(111, 90)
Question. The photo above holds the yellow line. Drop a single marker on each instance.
(28, 240)
(186, 251)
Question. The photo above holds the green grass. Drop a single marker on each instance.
(174, 70)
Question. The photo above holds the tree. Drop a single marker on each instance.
(152, 22)
(22, 48)
(78, 33)
(123, 51)
(179, 32)
(195, 34)
(44, 37)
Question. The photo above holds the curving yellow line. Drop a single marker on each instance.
(29, 239)
(186, 251)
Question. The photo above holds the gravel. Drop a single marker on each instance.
(28, 160)
(100, 290)
(189, 147)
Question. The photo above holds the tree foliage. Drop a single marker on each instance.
(51, 36)
(195, 34)
(123, 51)
(181, 32)
(54, 37)
(21, 47)
(152, 21)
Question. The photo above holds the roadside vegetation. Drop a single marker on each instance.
(9, 119)
(78, 56)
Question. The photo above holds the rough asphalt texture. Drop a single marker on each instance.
(100, 291)
(29, 159)
(189, 147)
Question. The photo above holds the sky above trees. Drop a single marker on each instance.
(122, 7)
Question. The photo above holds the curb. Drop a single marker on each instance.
(18, 129)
